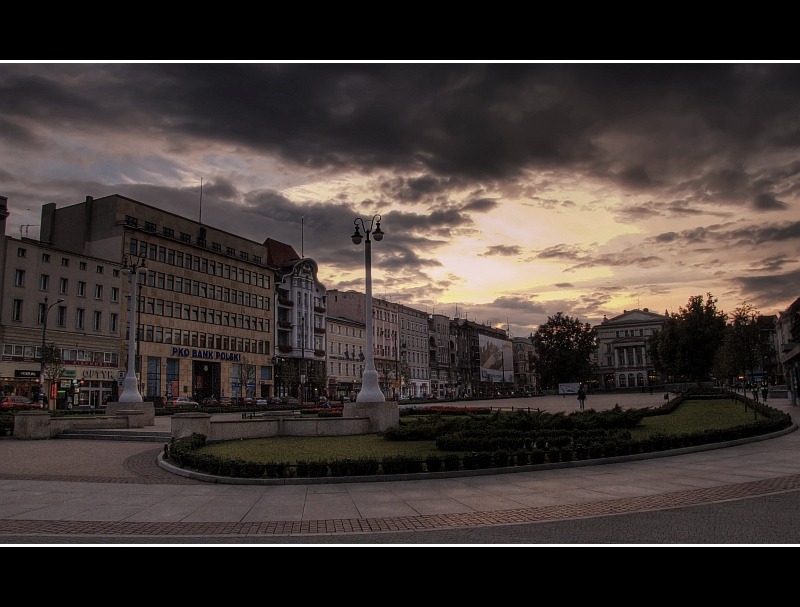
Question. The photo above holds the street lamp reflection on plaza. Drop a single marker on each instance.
(130, 385)
(46, 310)
(370, 390)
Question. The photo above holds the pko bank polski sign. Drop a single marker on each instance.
(207, 354)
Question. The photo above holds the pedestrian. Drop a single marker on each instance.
(764, 392)
(581, 396)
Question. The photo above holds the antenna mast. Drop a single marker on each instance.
(302, 233)
(201, 200)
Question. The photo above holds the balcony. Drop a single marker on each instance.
(319, 309)
(285, 349)
(285, 302)
(319, 353)
(319, 329)
(284, 324)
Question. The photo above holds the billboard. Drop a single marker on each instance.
(497, 359)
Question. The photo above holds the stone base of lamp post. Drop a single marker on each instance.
(382, 415)
(148, 408)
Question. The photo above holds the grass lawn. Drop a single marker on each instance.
(697, 415)
(691, 416)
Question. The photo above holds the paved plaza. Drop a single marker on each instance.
(114, 492)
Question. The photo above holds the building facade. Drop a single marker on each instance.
(623, 359)
(66, 300)
(301, 325)
(415, 374)
(206, 296)
(346, 342)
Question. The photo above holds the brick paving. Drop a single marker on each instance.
(141, 468)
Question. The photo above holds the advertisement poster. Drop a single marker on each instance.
(497, 359)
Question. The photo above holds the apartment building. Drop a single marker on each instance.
(346, 341)
(70, 301)
(204, 296)
(415, 372)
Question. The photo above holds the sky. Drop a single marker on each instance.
(508, 192)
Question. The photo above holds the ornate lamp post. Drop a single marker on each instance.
(130, 385)
(46, 309)
(370, 390)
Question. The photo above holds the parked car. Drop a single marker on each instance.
(291, 400)
(17, 403)
(274, 400)
(261, 402)
(181, 401)
(210, 402)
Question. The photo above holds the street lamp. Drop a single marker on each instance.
(130, 385)
(46, 309)
(370, 390)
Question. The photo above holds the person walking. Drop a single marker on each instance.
(581, 396)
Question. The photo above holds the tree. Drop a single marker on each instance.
(53, 365)
(687, 344)
(247, 377)
(563, 350)
(747, 342)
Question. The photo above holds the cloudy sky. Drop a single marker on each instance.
(509, 192)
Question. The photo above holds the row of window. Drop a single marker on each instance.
(187, 238)
(196, 339)
(178, 284)
(172, 309)
(63, 286)
(196, 263)
(82, 265)
(17, 306)
(68, 355)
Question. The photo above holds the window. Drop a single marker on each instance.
(16, 310)
(81, 288)
(216, 247)
(131, 221)
(46, 257)
(97, 321)
(185, 237)
(230, 251)
(98, 291)
(150, 226)
(82, 265)
(113, 323)
(61, 316)
(64, 262)
(22, 252)
(63, 285)
(79, 318)
(169, 232)
(19, 278)
(114, 294)
(44, 282)
(99, 269)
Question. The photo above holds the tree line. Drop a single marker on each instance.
(694, 344)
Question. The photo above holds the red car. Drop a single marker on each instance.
(17, 403)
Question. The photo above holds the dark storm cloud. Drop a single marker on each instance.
(471, 120)
(435, 146)
(623, 259)
(767, 202)
(770, 287)
(501, 250)
(751, 234)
